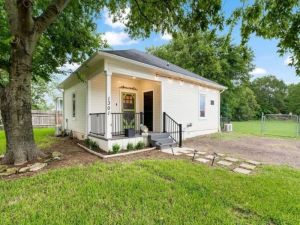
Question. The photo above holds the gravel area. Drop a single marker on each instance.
(266, 150)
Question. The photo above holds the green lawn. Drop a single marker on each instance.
(272, 128)
(152, 192)
(43, 138)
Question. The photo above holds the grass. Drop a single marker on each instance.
(152, 192)
(42, 136)
(272, 128)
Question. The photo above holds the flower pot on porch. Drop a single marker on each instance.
(130, 132)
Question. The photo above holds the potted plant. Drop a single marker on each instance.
(129, 128)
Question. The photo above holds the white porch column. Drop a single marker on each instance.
(108, 124)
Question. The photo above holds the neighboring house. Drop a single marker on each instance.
(114, 90)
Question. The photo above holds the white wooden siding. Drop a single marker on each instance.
(181, 102)
(78, 123)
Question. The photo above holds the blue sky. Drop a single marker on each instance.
(267, 60)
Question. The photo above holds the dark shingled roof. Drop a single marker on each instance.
(152, 60)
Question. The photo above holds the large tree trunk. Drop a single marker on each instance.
(16, 108)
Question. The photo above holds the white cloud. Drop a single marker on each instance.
(120, 24)
(166, 36)
(258, 71)
(118, 38)
(287, 61)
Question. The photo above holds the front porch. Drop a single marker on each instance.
(117, 102)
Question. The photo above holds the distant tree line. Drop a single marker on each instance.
(217, 58)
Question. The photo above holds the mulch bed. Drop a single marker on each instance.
(74, 155)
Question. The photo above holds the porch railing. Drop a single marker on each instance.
(120, 122)
(126, 120)
(97, 123)
(173, 128)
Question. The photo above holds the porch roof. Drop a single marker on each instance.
(152, 60)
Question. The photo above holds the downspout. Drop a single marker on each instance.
(220, 108)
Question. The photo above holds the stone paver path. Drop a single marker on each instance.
(231, 159)
(202, 160)
(247, 166)
(224, 163)
(253, 162)
(241, 170)
(234, 164)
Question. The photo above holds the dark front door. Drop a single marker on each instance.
(148, 110)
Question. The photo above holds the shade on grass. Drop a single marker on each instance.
(42, 136)
(152, 192)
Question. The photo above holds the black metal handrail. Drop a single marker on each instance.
(173, 128)
(97, 123)
(126, 120)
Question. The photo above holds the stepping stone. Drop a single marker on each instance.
(202, 160)
(177, 153)
(9, 171)
(253, 162)
(242, 171)
(3, 168)
(247, 166)
(1, 156)
(231, 159)
(224, 163)
(24, 169)
(37, 166)
(210, 157)
(190, 154)
(168, 151)
(201, 153)
(221, 154)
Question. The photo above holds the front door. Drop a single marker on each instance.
(128, 108)
(148, 110)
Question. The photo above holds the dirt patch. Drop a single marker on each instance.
(74, 155)
(267, 150)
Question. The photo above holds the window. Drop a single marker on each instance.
(202, 105)
(73, 105)
(212, 102)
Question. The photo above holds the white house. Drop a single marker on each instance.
(114, 90)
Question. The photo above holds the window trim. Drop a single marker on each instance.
(205, 105)
(74, 102)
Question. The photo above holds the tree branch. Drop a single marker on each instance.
(50, 14)
(142, 13)
(12, 12)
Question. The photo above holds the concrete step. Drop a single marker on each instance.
(155, 136)
(166, 145)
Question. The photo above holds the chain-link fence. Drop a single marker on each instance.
(285, 125)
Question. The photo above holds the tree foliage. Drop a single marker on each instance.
(272, 19)
(212, 57)
(293, 99)
(271, 94)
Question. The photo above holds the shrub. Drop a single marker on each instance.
(116, 148)
(140, 145)
(93, 145)
(87, 141)
(130, 147)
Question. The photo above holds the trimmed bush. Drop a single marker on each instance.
(116, 148)
(87, 141)
(140, 145)
(93, 145)
(130, 147)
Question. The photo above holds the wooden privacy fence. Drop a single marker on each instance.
(43, 118)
